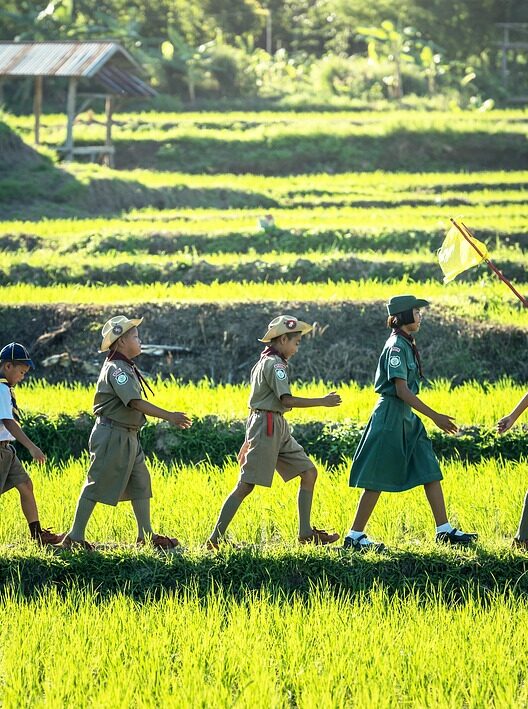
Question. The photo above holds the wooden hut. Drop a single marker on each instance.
(94, 69)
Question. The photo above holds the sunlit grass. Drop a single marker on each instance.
(471, 403)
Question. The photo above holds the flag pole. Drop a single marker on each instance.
(466, 233)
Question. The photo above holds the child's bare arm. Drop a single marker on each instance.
(301, 402)
(177, 418)
(507, 422)
(15, 430)
(444, 422)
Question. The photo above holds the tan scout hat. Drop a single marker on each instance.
(284, 324)
(115, 327)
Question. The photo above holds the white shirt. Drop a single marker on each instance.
(6, 412)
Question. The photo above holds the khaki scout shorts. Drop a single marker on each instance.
(12, 471)
(117, 466)
(262, 454)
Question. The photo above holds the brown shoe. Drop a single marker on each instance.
(320, 537)
(521, 544)
(69, 543)
(46, 536)
(159, 541)
(212, 546)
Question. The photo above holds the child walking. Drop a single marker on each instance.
(521, 537)
(395, 453)
(269, 445)
(15, 363)
(117, 462)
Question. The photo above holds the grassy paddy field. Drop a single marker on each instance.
(271, 624)
(360, 202)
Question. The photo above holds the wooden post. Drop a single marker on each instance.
(37, 107)
(109, 157)
(70, 110)
(505, 42)
(269, 46)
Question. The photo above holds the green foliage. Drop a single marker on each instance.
(414, 44)
(217, 440)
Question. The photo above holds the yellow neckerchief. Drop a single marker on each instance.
(16, 412)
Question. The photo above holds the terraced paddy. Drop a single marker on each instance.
(360, 203)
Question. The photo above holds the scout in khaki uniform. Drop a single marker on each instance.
(520, 541)
(394, 452)
(117, 463)
(268, 445)
(15, 363)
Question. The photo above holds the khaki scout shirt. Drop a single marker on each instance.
(116, 387)
(397, 361)
(269, 381)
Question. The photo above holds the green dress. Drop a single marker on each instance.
(394, 452)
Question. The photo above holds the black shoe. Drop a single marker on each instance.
(350, 544)
(465, 539)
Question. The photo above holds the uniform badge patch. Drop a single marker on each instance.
(290, 324)
(394, 361)
(395, 349)
(280, 373)
(122, 378)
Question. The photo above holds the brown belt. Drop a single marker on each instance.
(115, 424)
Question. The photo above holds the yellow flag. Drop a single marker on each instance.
(457, 255)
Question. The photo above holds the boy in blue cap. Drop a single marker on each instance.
(15, 363)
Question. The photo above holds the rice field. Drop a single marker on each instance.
(269, 624)
(262, 652)
(264, 647)
(471, 403)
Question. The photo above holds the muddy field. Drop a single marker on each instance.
(220, 341)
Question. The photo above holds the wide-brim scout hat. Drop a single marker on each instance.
(284, 324)
(115, 327)
(401, 303)
(15, 352)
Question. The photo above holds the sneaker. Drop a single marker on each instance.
(465, 539)
(46, 536)
(159, 541)
(520, 544)
(350, 544)
(319, 537)
(69, 543)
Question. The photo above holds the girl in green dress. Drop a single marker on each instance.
(395, 453)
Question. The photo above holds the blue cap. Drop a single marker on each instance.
(15, 352)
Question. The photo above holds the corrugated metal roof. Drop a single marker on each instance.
(121, 83)
(58, 58)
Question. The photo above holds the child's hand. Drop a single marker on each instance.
(37, 454)
(179, 419)
(505, 423)
(445, 423)
(332, 399)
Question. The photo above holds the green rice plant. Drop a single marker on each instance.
(485, 496)
(485, 301)
(472, 403)
(262, 651)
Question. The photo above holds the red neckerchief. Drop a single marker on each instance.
(269, 350)
(16, 411)
(410, 338)
(115, 355)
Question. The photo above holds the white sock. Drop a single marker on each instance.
(353, 534)
(448, 528)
